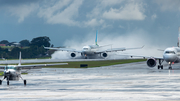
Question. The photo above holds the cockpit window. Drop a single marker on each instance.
(9, 67)
(85, 48)
(170, 52)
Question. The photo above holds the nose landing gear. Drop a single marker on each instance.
(170, 67)
(85, 56)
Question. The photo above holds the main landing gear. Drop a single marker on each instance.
(24, 81)
(5, 77)
(160, 66)
(2, 80)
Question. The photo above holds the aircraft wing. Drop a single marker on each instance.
(34, 66)
(146, 57)
(118, 49)
(2, 66)
(64, 49)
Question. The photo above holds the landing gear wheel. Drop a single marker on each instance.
(0, 82)
(170, 68)
(162, 67)
(7, 82)
(24, 82)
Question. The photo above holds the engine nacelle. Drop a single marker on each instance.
(151, 62)
(73, 55)
(104, 55)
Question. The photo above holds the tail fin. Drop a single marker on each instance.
(178, 38)
(19, 58)
(96, 38)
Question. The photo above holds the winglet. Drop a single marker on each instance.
(96, 38)
(19, 58)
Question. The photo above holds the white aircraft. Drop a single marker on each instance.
(13, 72)
(92, 51)
(170, 55)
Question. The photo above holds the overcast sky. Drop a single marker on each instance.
(154, 21)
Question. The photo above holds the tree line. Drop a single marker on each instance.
(29, 49)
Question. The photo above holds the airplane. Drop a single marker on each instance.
(170, 55)
(92, 50)
(13, 72)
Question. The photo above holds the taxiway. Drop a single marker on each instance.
(133, 81)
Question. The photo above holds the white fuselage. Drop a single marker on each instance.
(172, 54)
(89, 50)
(11, 73)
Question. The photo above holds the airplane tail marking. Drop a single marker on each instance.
(96, 38)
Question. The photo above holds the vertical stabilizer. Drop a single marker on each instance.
(19, 58)
(96, 38)
(178, 38)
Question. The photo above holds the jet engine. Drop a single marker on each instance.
(73, 55)
(104, 55)
(151, 62)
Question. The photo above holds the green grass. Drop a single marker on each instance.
(76, 64)
(1, 73)
(24, 73)
(7, 47)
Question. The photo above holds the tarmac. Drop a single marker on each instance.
(133, 81)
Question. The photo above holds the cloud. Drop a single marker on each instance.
(121, 26)
(105, 3)
(94, 22)
(62, 12)
(154, 16)
(131, 11)
(22, 11)
(168, 5)
(67, 12)
(107, 10)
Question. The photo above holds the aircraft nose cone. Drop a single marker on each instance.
(169, 58)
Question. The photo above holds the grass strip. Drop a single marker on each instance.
(76, 64)
(1, 73)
